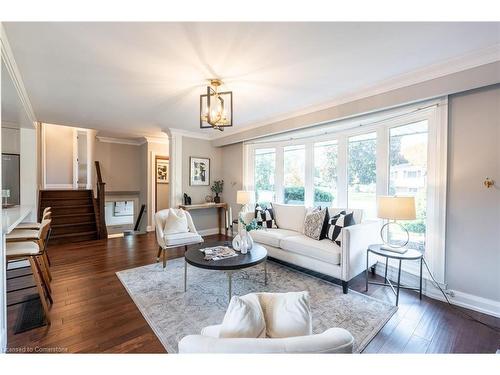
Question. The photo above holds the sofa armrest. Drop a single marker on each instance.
(355, 242)
(333, 340)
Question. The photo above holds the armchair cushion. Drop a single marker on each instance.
(182, 239)
(286, 314)
(244, 318)
(176, 222)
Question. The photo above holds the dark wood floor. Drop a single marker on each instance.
(92, 312)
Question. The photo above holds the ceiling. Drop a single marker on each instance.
(140, 78)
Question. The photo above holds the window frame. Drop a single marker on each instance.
(433, 111)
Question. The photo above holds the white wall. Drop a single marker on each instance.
(232, 174)
(11, 140)
(473, 211)
(28, 169)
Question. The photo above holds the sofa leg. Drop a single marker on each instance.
(345, 285)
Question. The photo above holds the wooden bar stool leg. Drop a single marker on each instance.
(47, 265)
(43, 275)
(38, 283)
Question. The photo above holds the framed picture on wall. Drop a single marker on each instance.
(162, 171)
(199, 171)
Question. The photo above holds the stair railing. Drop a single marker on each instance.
(99, 202)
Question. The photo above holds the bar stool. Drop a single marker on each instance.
(41, 236)
(33, 250)
(47, 214)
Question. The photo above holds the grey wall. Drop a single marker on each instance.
(10, 140)
(120, 165)
(473, 212)
(203, 219)
(59, 154)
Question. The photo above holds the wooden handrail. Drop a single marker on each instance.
(100, 200)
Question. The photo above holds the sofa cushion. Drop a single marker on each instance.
(265, 217)
(314, 224)
(286, 314)
(324, 250)
(271, 237)
(244, 318)
(289, 216)
(357, 213)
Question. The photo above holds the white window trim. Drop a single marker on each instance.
(434, 111)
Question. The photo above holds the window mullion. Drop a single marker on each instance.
(342, 171)
(279, 178)
(309, 175)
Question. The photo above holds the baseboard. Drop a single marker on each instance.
(150, 228)
(208, 232)
(469, 301)
(3, 340)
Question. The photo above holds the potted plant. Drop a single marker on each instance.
(217, 187)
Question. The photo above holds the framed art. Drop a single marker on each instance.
(162, 171)
(199, 171)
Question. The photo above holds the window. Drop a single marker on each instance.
(294, 174)
(408, 146)
(362, 173)
(325, 173)
(264, 174)
(347, 164)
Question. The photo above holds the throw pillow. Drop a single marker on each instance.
(244, 318)
(176, 222)
(286, 314)
(337, 222)
(313, 224)
(265, 217)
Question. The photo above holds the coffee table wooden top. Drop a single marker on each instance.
(256, 255)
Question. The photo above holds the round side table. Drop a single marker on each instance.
(410, 254)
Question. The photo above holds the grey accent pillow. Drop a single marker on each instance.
(313, 224)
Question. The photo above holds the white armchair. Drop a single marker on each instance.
(288, 328)
(333, 340)
(169, 241)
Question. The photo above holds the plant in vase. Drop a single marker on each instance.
(217, 187)
(243, 241)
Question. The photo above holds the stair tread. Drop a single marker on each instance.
(66, 235)
(54, 215)
(72, 224)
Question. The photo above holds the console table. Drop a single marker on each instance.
(222, 212)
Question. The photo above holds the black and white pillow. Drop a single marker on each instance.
(337, 222)
(265, 217)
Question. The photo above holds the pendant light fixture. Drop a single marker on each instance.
(216, 108)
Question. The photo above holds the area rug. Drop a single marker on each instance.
(173, 314)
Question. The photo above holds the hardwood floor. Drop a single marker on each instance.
(92, 312)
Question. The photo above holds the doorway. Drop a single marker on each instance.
(162, 182)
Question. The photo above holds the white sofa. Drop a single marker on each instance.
(289, 244)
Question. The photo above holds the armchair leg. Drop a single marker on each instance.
(158, 255)
(345, 285)
(164, 258)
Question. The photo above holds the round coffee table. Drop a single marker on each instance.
(256, 255)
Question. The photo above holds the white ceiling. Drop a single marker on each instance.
(139, 78)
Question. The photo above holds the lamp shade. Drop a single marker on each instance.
(244, 196)
(396, 208)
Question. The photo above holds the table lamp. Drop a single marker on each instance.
(245, 197)
(392, 209)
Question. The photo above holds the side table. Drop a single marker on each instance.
(411, 254)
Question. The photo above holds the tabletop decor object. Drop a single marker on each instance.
(395, 208)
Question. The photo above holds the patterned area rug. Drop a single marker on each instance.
(173, 314)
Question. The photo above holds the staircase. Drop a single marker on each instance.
(75, 215)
